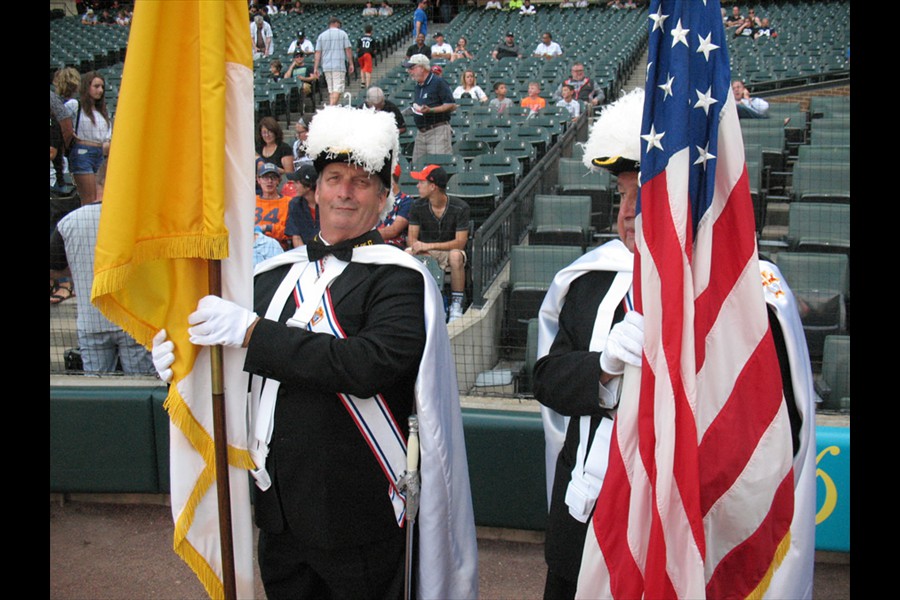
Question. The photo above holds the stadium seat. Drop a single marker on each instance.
(503, 166)
(575, 179)
(817, 180)
(452, 163)
(833, 386)
(819, 227)
(522, 150)
(531, 270)
(481, 191)
(470, 149)
(561, 221)
(821, 284)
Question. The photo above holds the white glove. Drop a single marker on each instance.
(163, 354)
(219, 322)
(624, 344)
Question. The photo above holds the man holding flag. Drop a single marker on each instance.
(161, 249)
(346, 342)
(700, 496)
(588, 331)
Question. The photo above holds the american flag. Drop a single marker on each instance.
(698, 497)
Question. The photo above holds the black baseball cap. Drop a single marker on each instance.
(306, 175)
(432, 173)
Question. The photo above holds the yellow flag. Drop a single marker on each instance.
(179, 192)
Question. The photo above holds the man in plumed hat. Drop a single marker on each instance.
(588, 332)
(342, 345)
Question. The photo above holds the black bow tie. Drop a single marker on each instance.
(317, 250)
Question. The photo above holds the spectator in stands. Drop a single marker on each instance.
(747, 107)
(386, 9)
(271, 206)
(67, 82)
(93, 132)
(468, 87)
(751, 14)
(431, 109)
(264, 247)
(445, 8)
(569, 102)
(89, 18)
(583, 86)
(394, 225)
(420, 19)
(548, 48)
(369, 10)
(102, 343)
(461, 51)
(300, 157)
(123, 19)
(375, 99)
(515, 5)
(527, 8)
(366, 56)
(507, 48)
(765, 30)
(299, 72)
(106, 18)
(533, 100)
(500, 102)
(297, 8)
(302, 45)
(419, 47)
(335, 55)
(271, 147)
(439, 227)
(746, 29)
(275, 70)
(261, 37)
(303, 218)
(582, 3)
(616, 4)
(735, 19)
(271, 8)
(567, 4)
(441, 49)
(493, 5)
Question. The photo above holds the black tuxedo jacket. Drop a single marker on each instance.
(327, 486)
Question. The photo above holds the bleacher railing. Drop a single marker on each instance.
(508, 224)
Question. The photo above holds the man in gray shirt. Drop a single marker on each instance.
(102, 342)
(332, 48)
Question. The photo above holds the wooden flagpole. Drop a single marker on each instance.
(223, 491)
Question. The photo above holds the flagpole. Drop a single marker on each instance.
(221, 448)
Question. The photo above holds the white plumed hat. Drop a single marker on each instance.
(615, 139)
(361, 136)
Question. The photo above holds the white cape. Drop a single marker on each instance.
(611, 256)
(794, 577)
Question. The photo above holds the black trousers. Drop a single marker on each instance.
(291, 571)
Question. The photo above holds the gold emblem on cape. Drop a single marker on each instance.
(771, 283)
(317, 316)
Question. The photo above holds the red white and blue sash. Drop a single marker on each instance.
(372, 416)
